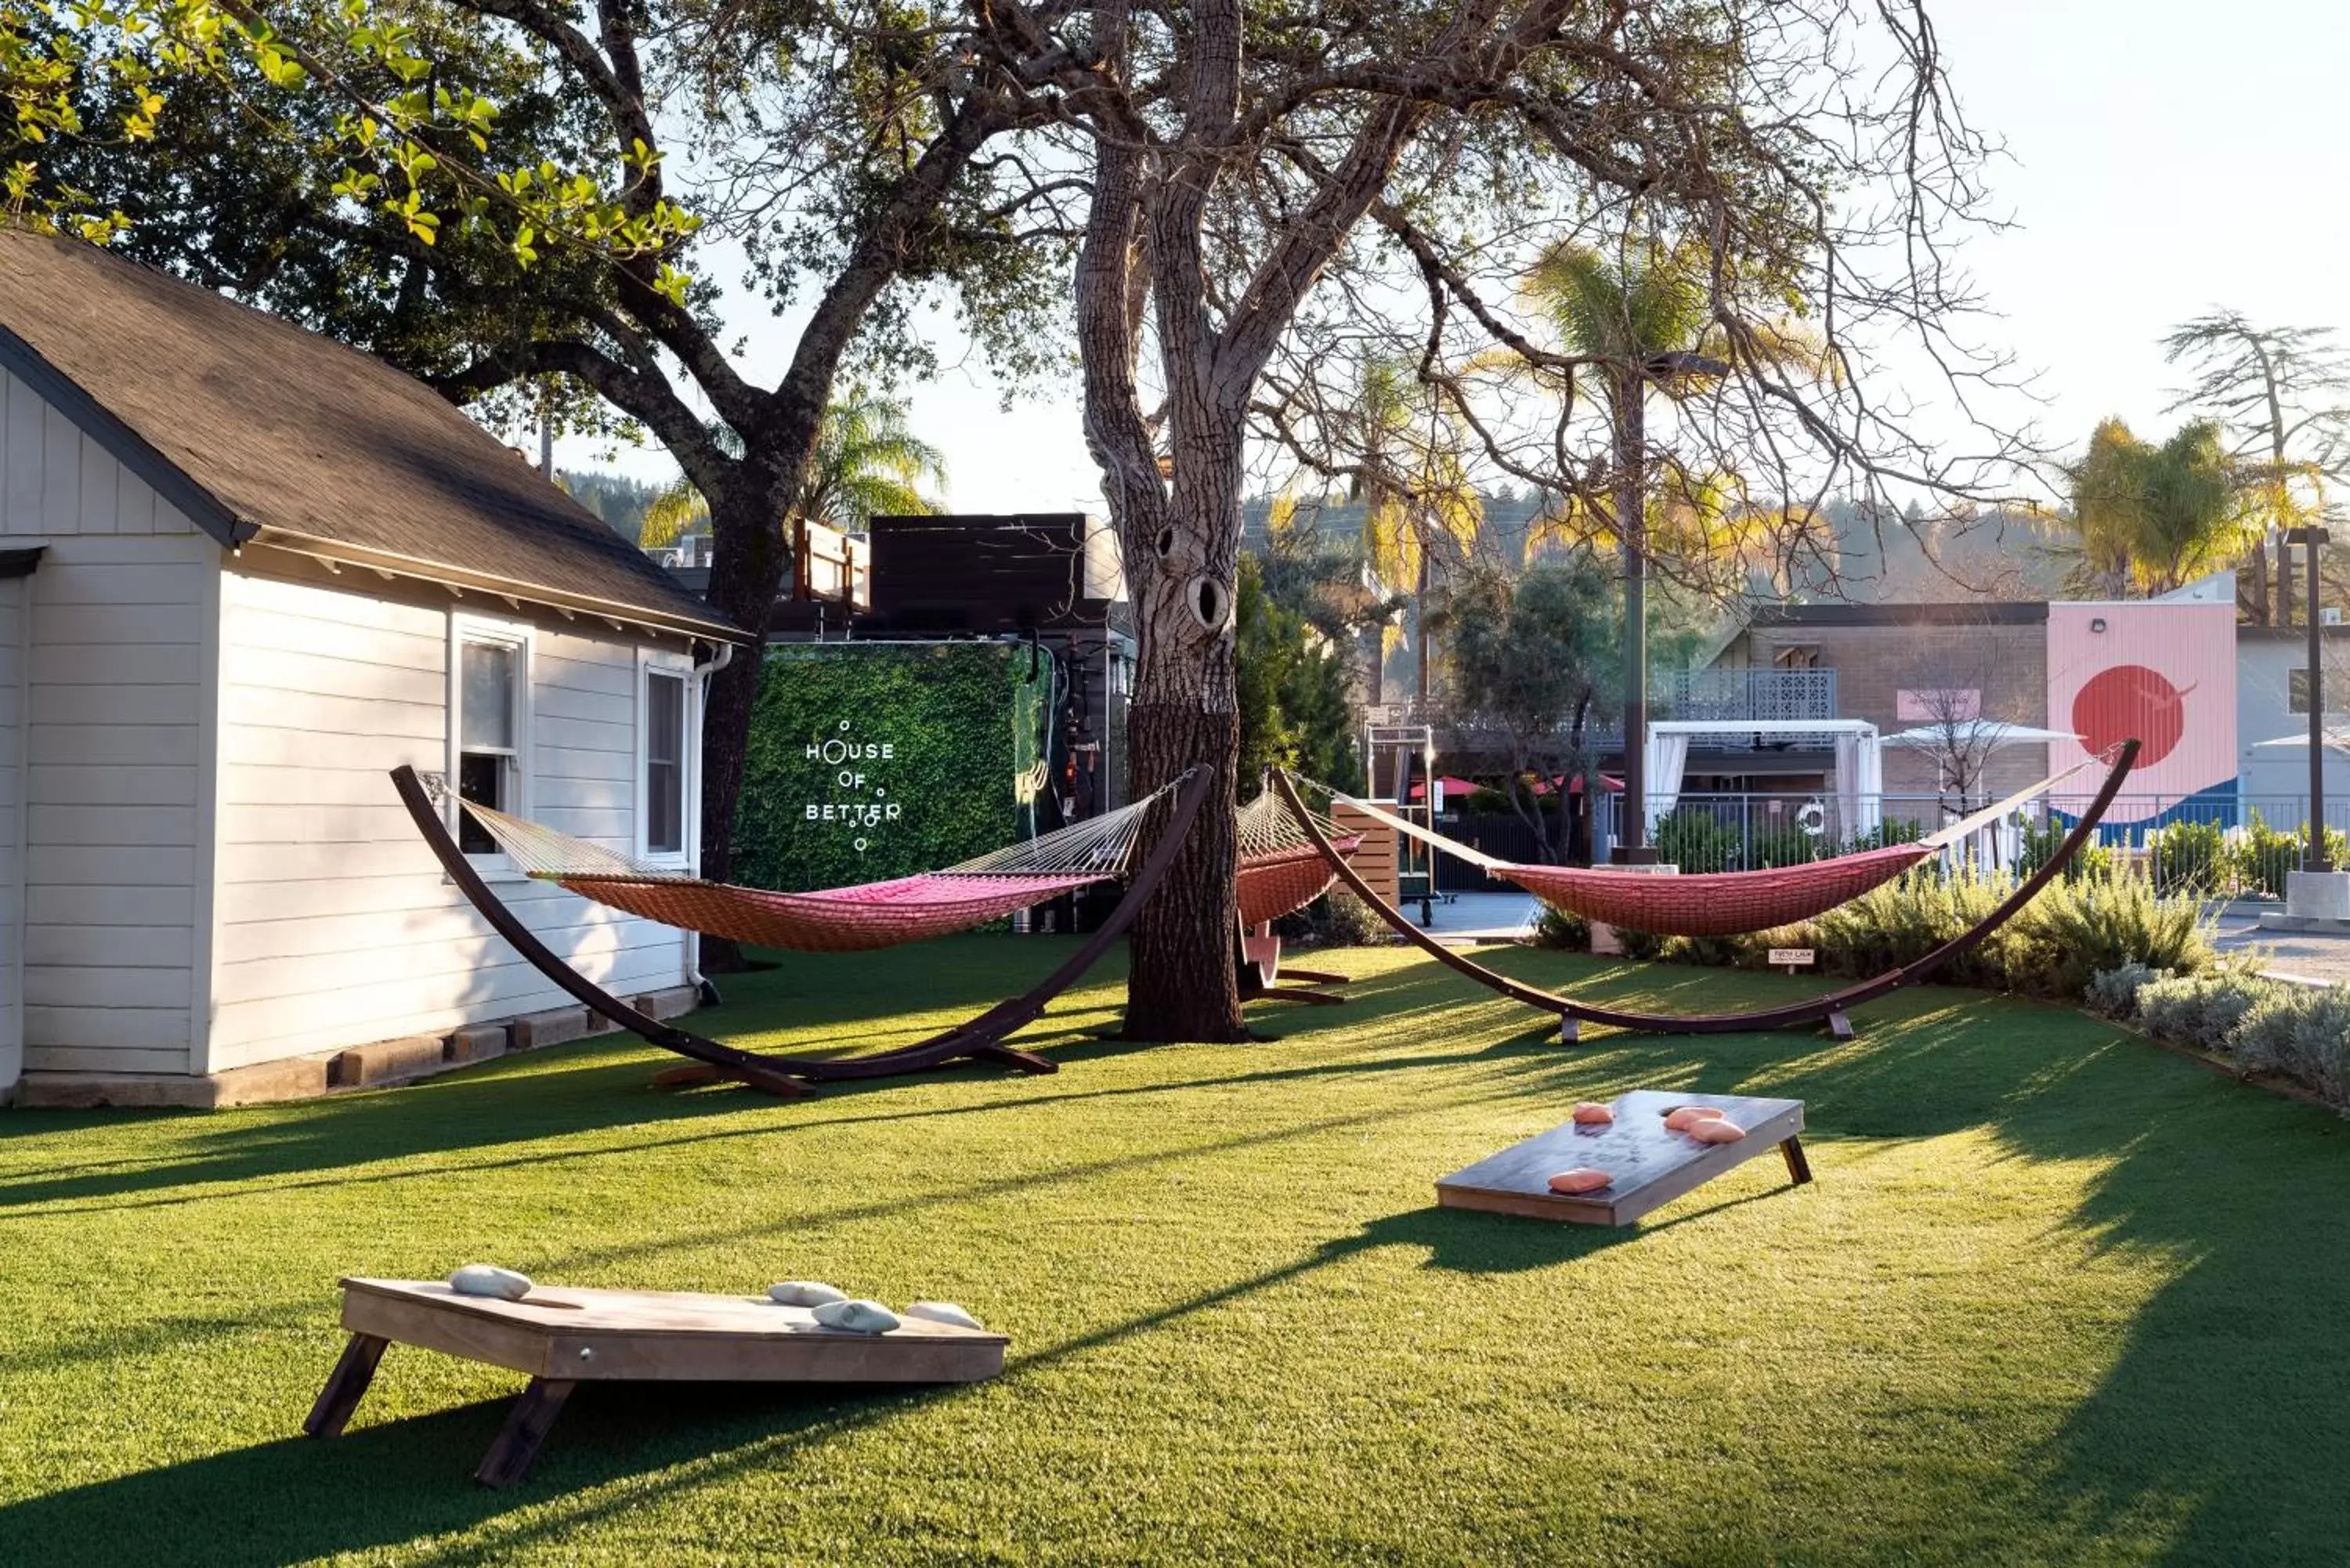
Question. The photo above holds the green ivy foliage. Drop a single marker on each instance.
(959, 720)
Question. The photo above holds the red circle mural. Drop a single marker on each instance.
(2130, 700)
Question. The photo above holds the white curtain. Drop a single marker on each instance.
(1846, 820)
(1867, 782)
(1668, 756)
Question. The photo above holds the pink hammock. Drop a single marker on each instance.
(1718, 903)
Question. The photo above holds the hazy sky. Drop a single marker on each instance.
(2164, 156)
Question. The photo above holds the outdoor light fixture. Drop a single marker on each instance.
(2098, 623)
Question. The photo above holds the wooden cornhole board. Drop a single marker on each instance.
(563, 1337)
(1652, 1164)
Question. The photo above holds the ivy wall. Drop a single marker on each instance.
(873, 760)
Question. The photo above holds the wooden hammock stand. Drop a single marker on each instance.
(981, 1039)
(1830, 1009)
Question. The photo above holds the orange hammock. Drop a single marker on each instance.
(1281, 877)
(1717, 903)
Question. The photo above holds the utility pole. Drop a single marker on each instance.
(2315, 859)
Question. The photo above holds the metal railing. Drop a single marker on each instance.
(2239, 847)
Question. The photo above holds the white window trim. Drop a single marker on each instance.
(522, 638)
(680, 665)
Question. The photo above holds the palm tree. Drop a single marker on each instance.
(2156, 516)
(1415, 489)
(1644, 320)
(868, 463)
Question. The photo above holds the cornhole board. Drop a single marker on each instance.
(1652, 1164)
(563, 1337)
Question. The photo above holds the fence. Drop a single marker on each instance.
(2236, 847)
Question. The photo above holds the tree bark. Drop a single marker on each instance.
(749, 556)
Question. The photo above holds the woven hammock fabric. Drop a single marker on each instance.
(1281, 871)
(1713, 904)
(842, 921)
(1282, 882)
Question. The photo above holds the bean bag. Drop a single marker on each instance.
(1582, 1179)
(1591, 1113)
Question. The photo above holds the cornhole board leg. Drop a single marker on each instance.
(1799, 1165)
(1652, 1164)
(346, 1385)
(527, 1424)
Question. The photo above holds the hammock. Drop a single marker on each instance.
(838, 919)
(1281, 870)
(1718, 903)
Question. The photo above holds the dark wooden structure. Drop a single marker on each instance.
(981, 1039)
(1829, 1008)
(1652, 1164)
(562, 1337)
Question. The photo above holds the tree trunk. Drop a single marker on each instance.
(746, 572)
(1182, 984)
(1632, 528)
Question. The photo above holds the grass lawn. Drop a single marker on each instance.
(2056, 1296)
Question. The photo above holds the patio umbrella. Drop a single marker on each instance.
(1988, 733)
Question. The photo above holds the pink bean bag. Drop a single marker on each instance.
(1681, 1119)
(1716, 1129)
(1582, 1179)
(1591, 1113)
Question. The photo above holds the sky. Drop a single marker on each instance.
(2162, 157)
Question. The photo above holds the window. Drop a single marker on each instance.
(664, 763)
(489, 722)
(2337, 691)
(665, 814)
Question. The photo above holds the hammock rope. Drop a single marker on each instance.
(838, 919)
(1716, 903)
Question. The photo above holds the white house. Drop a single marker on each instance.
(243, 572)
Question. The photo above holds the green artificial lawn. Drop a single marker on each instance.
(2056, 1296)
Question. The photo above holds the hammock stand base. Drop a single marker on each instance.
(1830, 1008)
(1263, 978)
(979, 1039)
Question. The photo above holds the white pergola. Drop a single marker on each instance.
(1859, 760)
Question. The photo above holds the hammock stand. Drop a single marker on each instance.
(979, 1039)
(1830, 1009)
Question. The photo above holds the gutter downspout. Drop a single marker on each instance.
(703, 989)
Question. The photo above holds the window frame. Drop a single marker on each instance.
(677, 666)
(522, 638)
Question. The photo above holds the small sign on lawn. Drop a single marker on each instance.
(1793, 958)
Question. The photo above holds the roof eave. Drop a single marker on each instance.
(392, 564)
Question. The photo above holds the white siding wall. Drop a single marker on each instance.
(119, 647)
(13, 632)
(335, 925)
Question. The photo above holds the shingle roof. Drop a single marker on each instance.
(259, 430)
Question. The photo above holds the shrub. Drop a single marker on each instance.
(2054, 945)
(2191, 858)
(2114, 992)
(1642, 945)
(1345, 921)
(2042, 839)
(1695, 841)
(1557, 929)
(2303, 1033)
(2204, 1009)
(1485, 801)
(2079, 926)
(1774, 846)
(2262, 855)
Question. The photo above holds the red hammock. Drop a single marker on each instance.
(1283, 882)
(1713, 904)
(842, 921)
(1718, 903)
